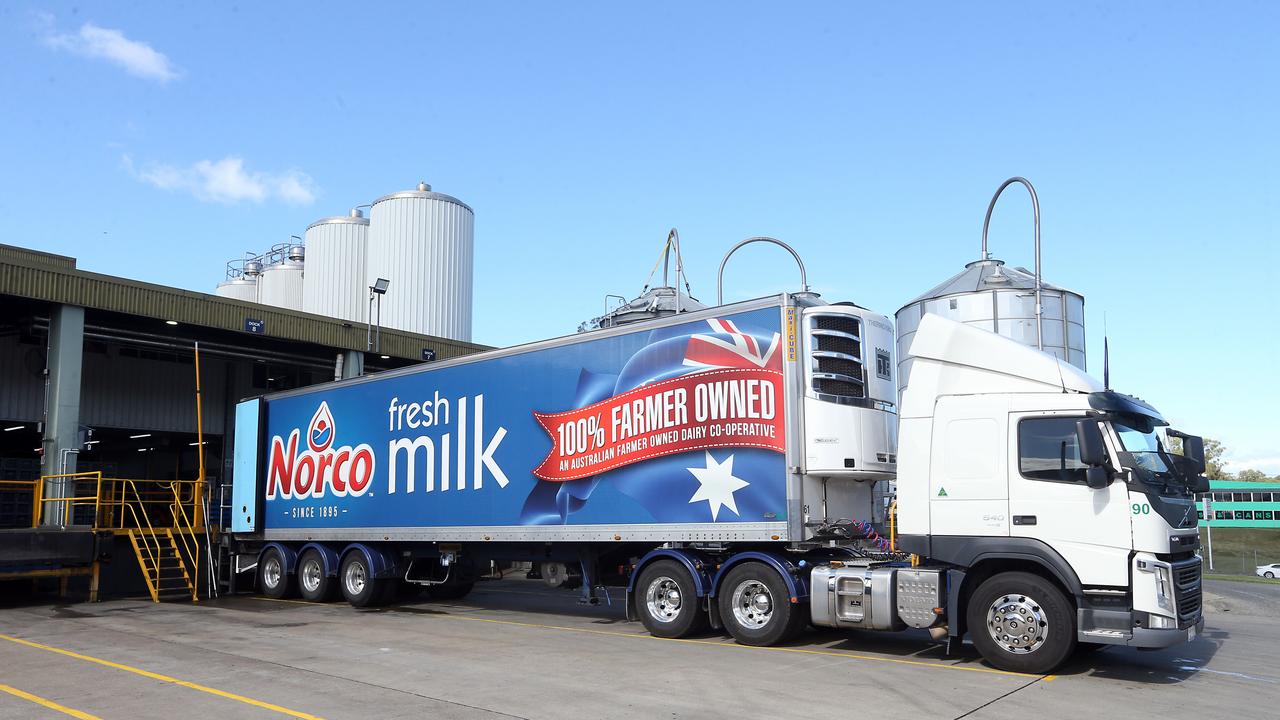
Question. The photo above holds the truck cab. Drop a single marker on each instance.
(1012, 463)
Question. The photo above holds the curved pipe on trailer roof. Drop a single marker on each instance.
(1035, 208)
(804, 278)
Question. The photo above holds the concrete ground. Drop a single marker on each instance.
(515, 648)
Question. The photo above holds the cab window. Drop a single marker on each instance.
(1047, 449)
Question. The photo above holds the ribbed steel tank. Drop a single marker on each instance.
(423, 243)
(282, 282)
(243, 286)
(993, 296)
(337, 249)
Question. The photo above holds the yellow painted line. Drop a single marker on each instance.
(165, 678)
(721, 643)
(48, 703)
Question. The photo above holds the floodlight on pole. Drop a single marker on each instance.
(377, 289)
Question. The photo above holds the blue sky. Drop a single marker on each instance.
(159, 141)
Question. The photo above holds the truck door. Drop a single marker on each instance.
(968, 490)
(1049, 500)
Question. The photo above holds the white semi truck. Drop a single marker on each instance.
(728, 466)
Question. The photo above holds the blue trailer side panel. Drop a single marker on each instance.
(678, 424)
(246, 460)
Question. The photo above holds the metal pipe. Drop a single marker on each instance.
(804, 278)
(146, 339)
(674, 236)
(1035, 208)
(208, 349)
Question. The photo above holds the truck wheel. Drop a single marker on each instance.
(313, 584)
(667, 600)
(756, 606)
(358, 585)
(1022, 623)
(272, 578)
(450, 591)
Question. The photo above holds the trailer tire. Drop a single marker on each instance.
(358, 585)
(667, 600)
(273, 576)
(1005, 607)
(450, 590)
(313, 584)
(756, 608)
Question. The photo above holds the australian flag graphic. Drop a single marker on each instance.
(722, 484)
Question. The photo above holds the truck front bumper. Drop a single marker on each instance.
(1145, 638)
(1155, 639)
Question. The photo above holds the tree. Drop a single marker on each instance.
(1213, 452)
(1251, 475)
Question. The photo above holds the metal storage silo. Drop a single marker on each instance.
(281, 284)
(422, 242)
(241, 284)
(990, 295)
(336, 267)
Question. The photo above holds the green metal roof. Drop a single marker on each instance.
(1237, 485)
(54, 278)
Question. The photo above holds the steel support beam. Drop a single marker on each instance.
(62, 405)
(352, 364)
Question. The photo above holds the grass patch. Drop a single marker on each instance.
(1241, 578)
(1239, 551)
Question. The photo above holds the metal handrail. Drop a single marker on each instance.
(154, 557)
(893, 526)
(40, 500)
(180, 512)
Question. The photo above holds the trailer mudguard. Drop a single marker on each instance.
(327, 556)
(694, 562)
(797, 582)
(286, 553)
(379, 564)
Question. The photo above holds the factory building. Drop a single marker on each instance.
(97, 372)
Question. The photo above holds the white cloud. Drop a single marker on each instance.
(1268, 465)
(227, 181)
(136, 57)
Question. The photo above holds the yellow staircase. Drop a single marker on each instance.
(163, 565)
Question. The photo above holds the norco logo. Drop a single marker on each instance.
(345, 471)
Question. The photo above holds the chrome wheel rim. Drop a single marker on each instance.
(311, 575)
(271, 572)
(1018, 623)
(663, 599)
(752, 604)
(354, 578)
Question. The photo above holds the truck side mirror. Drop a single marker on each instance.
(1193, 450)
(1093, 450)
(1097, 478)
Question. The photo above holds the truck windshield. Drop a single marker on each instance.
(1144, 445)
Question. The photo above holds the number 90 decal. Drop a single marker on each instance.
(1141, 509)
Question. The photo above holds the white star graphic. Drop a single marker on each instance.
(717, 485)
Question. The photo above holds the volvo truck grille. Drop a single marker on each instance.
(837, 369)
(1186, 578)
